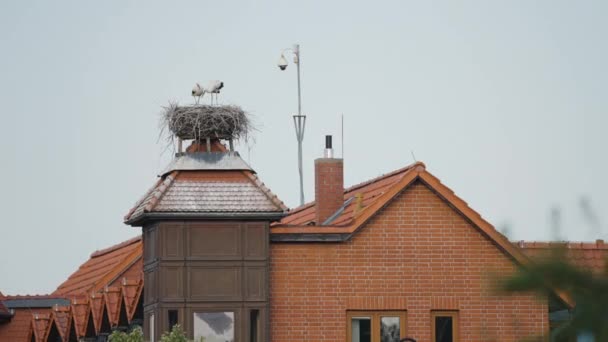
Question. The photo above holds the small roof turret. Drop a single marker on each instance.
(207, 183)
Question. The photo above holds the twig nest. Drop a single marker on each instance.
(205, 121)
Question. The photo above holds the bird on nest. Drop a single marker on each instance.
(212, 87)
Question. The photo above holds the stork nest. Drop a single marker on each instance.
(205, 121)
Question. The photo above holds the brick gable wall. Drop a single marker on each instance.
(417, 254)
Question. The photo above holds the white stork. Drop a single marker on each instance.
(213, 87)
(197, 92)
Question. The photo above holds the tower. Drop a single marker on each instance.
(205, 227)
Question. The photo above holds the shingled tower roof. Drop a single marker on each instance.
(207, 184)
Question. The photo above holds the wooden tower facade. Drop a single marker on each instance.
(205, 227)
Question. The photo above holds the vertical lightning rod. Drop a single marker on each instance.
(342, 136)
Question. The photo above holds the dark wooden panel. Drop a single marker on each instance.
(172, 283)
(150, 243)
(255, 283)
(172, 244)
(214, 283)
(214, 241)
(150, 282)
(256, 241)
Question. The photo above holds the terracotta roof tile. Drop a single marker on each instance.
(80, 315)
(62, 318)
(20, 326)
(97, 304)
(589, 255)
(102, 268)
(3, 310)
(368, 191)
(131, 293)
(41, 324)
(113, 300)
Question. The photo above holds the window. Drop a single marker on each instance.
(254, 321)
(444, 325)
(152, 328)
(173, 318)
(214, 326)
(375, 326)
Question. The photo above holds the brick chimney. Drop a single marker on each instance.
(329, 184)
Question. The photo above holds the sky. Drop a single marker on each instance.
(504, 101)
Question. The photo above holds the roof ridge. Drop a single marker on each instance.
(362, 184)
(301, 207)
(142, 199)
(383, 176)
(115, 247)
(113, 274)
(34, 296)
(160, 191)
(253, 177)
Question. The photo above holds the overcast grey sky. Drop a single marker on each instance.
(504, 101)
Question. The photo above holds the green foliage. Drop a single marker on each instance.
(588, 291)
(136, 335)
(176, 335)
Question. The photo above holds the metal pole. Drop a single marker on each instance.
(296, 50)
(300, 123)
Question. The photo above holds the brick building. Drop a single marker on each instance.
(396, 256)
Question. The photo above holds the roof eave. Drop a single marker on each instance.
(310, 237)
(146, 217)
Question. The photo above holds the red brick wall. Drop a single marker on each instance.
(329, 187)
(418, 254)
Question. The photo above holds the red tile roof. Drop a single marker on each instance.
(80, 315)
(20, 326)
(62, 317)
(84, 294)
(3, 310)
(97, 305)
(379, 193)
(103, 267)
(588, 255)
(113, 300)
(363, 194)
(41, 324)
(131, 293)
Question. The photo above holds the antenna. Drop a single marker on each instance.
(413, 156)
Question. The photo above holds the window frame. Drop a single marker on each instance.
(234, 312)
(455, 323)
(254, 333)
(152, 331)
(376, 318)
